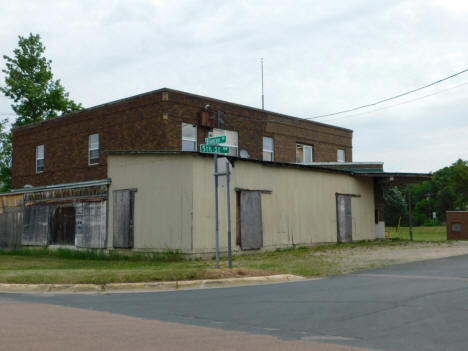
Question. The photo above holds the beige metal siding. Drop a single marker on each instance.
(174, 204)
(300, 210)
(163, 200)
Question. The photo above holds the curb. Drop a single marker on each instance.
(148, 286)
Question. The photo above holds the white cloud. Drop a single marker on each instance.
(320, 57)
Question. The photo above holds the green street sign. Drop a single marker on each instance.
(214, 149)
(215, 140)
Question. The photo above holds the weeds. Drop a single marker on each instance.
(100, 255)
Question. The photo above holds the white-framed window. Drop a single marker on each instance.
(304, 153)
(39, 158)
(231, 139)
(189, 137)
(93, 149)
(341, 155)
(268, 149)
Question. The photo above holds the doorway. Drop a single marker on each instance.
(249, 220)
(344, 218)
(63, 226)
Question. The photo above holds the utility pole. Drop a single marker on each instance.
(263, 96)
(410, 213)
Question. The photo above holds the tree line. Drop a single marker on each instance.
(446, 191)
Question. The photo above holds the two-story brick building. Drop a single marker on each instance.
(106, 177)
(69, 148)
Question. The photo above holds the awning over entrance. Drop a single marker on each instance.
(395, 178)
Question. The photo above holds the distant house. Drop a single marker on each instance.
(128, 175)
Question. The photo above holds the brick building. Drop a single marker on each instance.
(126, 175)
(70, 148)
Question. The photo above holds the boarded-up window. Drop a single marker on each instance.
(344, 218)
(35, 225)
(123, 218)
(91, 224)
(251, 226)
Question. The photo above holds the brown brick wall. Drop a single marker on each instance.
(138, 123)
(457, 217)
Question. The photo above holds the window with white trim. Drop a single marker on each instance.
(341, 155)
(93, 149)
(189, 137)
(268, 149)
(231, 139)
(39, 158)
(304, 153)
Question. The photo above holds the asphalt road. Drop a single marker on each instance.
(416, 306)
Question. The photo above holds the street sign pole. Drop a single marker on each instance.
(212, 146)
(216, 205)
(228, 176)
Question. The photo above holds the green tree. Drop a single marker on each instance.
(36, 96)
(5, 157)
(446, 191)
(395, 206)
(459, 184)
(30, 83)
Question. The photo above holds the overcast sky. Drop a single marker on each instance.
(320, 57)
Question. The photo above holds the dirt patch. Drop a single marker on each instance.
(356, 258)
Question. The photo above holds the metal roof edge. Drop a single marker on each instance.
(392, 174)
(58, 186)
(347, 163)
(233, 158)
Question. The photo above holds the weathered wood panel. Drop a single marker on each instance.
(123, 218)
(11, 228)
(344, 218)
(91, 224)
(35, 225)
(251, 220)
(11, 202)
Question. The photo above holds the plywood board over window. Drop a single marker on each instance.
(250, 218)
(344, 218)
(123, 214)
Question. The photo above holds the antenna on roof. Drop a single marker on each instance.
(263, 97)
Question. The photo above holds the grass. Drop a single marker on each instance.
(80, 266)
(436, 233)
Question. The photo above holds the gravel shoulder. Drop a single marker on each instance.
(357, 258)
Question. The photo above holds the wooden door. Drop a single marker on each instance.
(123, 218)
(344, 218)
(251, 225)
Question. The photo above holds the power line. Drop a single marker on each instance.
(390, 98)
(398, 104)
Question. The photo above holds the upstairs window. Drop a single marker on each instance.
(304, 153)
(268, 149)
(39, 158)
(189, 137)
(341, 155)
(231, 140)
(93, 149)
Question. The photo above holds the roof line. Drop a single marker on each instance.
(31, 125)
